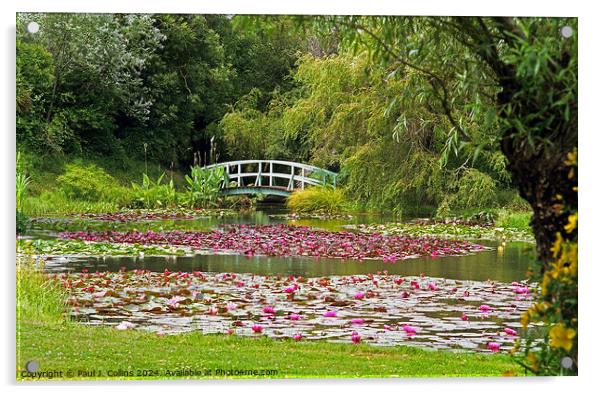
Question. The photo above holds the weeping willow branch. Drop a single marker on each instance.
(435, 80)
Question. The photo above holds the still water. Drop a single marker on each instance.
(503, 263)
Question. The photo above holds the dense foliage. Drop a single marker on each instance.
(21, 184)
(447, 114)
(102, 84)
(91, 183)
(344, 116)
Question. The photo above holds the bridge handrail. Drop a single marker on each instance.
(280, 162)
(280, 175)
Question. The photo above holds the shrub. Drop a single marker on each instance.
(317, 199)
(91, 183)
(474, 190)
(203, 186)
(21, 222)
(22, 182)
(153, 194)
(443, 211)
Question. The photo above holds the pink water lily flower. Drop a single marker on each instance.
(258, 328)
(294, 316)
(269, 310)
(359, 295)
(330, 314)
(485, 308)
(510, 331)
(409, 330)
(464, 317)
(387, 327)
(493, 346)
(290, 290)
(355, 337)
(357, 321)
(392, 258)
(230, 331)
(298, 336)
(433, 286)
(521, 290)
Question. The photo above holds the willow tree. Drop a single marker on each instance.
(512, 81)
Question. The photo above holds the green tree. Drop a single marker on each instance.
(97, 65)
(516, 80)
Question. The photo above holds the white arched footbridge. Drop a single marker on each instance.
(275, 177)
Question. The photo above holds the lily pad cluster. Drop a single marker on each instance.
(155, 214)
(451, 230)
(56, 247)
(308, 215)
(379, 309)
(286, 240)
(135, 216)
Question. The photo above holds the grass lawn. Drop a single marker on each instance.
(64, 347)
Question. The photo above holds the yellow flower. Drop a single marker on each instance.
(557, 245)
(572, 224)
(544, 284)
(571, 158)
(524, 319)
(533, 359)
(562, 337)
(571, 254)
(573, 268)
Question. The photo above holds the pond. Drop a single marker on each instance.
(466, 302)
(504, 262)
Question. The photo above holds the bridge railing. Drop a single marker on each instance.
(295, 173)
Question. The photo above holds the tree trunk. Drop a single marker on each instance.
(539, 171)
(542, 178)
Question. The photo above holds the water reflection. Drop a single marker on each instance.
(507, 266)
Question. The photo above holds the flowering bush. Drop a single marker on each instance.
(557, 306)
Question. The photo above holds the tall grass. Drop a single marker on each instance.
(317, 200)
(22, 182)
(513, 219)
(39, 299)
(56, 202)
